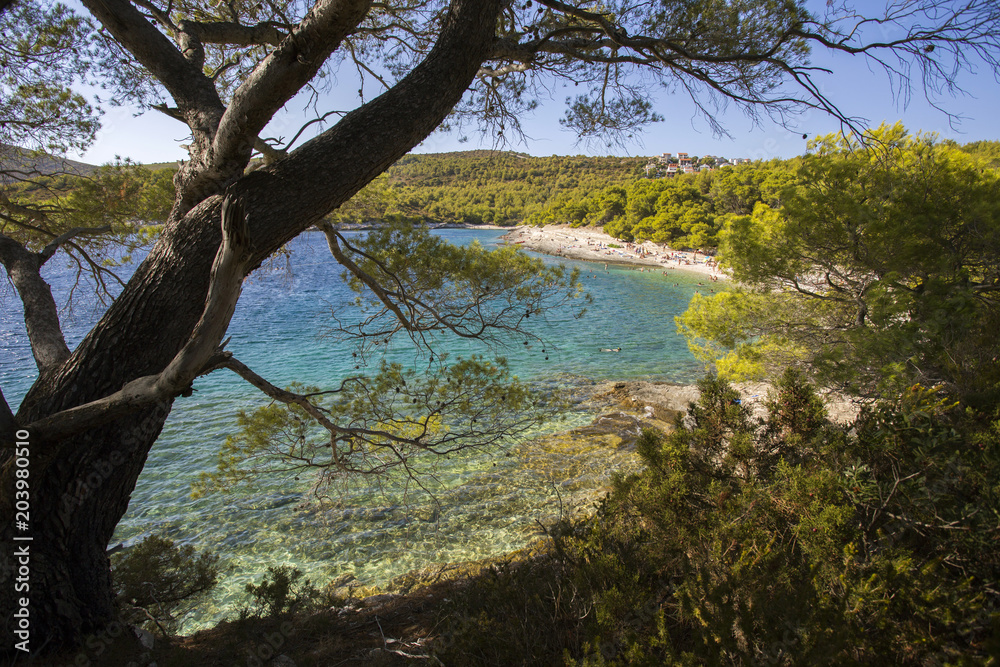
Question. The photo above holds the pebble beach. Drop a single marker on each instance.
(591, 244)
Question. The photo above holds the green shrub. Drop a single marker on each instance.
(281, 592)
(155, 577)
(784, 540)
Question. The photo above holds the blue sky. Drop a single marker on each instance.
(855, 87)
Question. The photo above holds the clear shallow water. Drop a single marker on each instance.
(486, 503)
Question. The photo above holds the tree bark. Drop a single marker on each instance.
(80, 487)
(7, 424)
(41, 317)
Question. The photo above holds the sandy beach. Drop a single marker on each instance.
(591, 244)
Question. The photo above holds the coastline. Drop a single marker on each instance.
(591, 244)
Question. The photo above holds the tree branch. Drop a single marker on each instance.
(231, 265)
(277, 393)
(748, 65)
(284, 72)
(471, 293)
(270, 153)
(373, 284)
(319, 119)
(311, 180)
(184, 80)
(218, 32)
(198, 101)
(41, 316)
(387, 420)
(53, 245)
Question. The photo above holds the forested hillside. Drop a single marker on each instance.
(473, 187)
(507, 188)
(685, 211)
(691, 210)
(485, 187)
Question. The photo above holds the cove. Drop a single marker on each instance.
(483, 504)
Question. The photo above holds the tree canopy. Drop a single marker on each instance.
(876, 263)
(45, 51)
(496, 187)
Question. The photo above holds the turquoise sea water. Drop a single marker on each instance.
(484, 503)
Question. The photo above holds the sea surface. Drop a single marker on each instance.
(482, 504)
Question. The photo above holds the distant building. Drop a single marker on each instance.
(685, 163)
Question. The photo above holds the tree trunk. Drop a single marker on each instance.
(80, 488)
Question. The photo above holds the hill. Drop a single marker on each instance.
(17, 164)
(16, 161)
(497, 187)
(474, 187)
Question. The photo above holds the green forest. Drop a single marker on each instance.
(483, 187)
(690, 210)
(505, 188)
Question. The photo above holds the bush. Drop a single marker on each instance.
(156, 576)
(281, 592)
(782, 540)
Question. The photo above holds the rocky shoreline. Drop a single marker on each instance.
(622, 409)
(656, 404)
